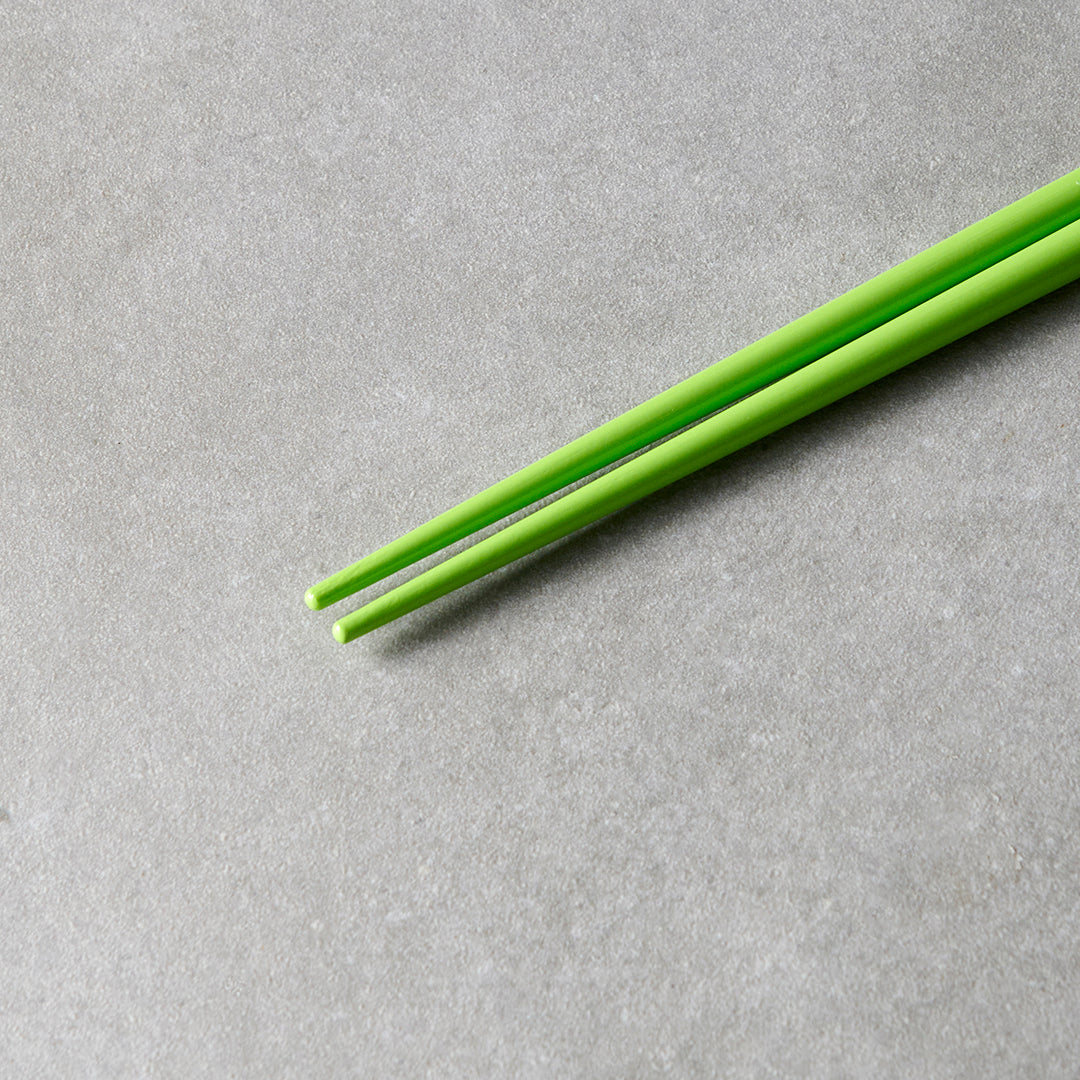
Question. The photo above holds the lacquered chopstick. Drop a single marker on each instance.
(1009, 284)
(806, 339)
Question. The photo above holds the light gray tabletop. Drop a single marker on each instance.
(773, 774)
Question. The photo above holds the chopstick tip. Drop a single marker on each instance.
(339, 633)
(311, 598)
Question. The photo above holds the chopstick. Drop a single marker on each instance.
(998, 290)
(801, 342)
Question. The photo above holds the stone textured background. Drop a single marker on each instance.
(773, 774)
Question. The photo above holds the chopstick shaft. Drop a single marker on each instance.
(785, 350)
(1038, 269)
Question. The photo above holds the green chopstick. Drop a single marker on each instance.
(1025, 276)
(778, 354)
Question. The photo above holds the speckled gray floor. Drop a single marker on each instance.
(774, 774)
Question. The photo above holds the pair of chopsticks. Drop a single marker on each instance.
(980, 274)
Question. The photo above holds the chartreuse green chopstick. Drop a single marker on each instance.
(779, 353)
(1036, 270)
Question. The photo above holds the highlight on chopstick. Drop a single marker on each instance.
(979, 274)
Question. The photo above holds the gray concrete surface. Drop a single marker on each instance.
(775, 774)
